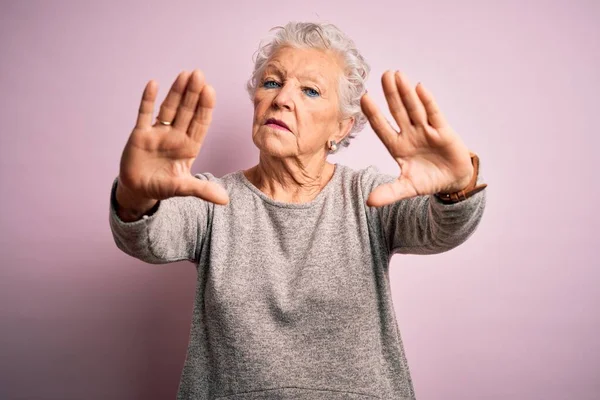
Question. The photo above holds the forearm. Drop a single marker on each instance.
(430, 227)
(169, 232)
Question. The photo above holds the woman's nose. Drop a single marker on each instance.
(284, 99)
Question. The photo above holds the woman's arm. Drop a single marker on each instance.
(423, 224)
(155, 175)
(433, 159)
(173, 232)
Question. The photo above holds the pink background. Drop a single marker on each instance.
(511, 314)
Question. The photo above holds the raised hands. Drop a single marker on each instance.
(157, 159)
(431, 156)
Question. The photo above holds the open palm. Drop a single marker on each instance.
(431, 156)
(157, 159)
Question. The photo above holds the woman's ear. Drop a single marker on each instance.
(345, 128)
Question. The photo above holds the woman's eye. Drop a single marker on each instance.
(311, 92)
(270, 84)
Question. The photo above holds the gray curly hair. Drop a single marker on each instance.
(351, 86)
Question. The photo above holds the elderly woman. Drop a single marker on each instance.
(293, 296)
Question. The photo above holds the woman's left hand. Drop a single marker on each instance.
(431, 156)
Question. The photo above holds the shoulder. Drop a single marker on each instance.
(229, 180)
(365, 179)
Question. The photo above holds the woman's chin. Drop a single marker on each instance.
(275, 146)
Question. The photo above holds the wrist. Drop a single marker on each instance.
(130, 207)
(467, 191)
(462, 184)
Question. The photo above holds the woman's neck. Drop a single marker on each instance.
(289, 180)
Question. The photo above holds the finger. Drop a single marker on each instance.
(395, 104)
(168, 108)
(390, 193)
(205, 190)
(187, 107)
(380, 125)
(203, 115)
(144, 118)
(412, 102)
(434, 114)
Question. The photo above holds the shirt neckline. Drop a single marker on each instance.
(318, 199)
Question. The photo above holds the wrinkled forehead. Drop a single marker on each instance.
(322, 66)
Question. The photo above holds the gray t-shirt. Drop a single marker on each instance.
(293, 300)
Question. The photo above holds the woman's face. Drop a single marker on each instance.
(300, 88)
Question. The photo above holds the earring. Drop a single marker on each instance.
(333, 145)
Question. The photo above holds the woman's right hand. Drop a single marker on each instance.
(157, 159)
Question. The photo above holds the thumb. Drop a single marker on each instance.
(389, 193)
(209, 191)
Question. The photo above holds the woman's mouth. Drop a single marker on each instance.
(277, 124)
